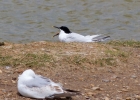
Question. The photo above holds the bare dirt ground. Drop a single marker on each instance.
(100, 71)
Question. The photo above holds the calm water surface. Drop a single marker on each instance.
(25, 21)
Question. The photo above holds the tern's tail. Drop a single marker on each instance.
(100, 39)
(67, 93)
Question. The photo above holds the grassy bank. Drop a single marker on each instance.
(43, 53)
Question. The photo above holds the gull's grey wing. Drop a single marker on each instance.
(67, 93)
(38, 81)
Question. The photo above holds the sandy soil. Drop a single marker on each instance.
(100, 71)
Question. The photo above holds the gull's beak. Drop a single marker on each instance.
(56, 34)
(56, 27)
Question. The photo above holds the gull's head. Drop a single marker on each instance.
(62, 28)
(27, 74)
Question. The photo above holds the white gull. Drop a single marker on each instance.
(39, 87)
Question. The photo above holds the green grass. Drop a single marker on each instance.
(76, 59)
(129, 43)
(116, 53)
(26, 60)
(105, 61)
(5, 60)
(80, 60)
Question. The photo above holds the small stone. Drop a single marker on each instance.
(0, 71)
(1, 43)
(87, 97)
(96, 88)
(9, 94)
(105, 80)
(124, 90)
(119, 91)
(118, 98)
(106, 98)
(7, 67)
(13, 81)
(126, 87)
(92, 85)
(128, 98)
(133, 76)
(89, 93)
(137, 97)
(114, 77)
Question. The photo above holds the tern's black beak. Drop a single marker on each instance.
(56, 27)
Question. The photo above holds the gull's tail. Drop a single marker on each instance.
(67, 93)
(100, 39)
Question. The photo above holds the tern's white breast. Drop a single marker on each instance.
(62, 36)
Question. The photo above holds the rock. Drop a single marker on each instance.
(105, 80)
(96, 88)
(137, 97)
(119, 91)
(119, 98)
(9, 94)
(128, 98)
(92, 85)
(87, 97)
(13, 81)
(133, 76)
(1, 43)
(123, 90)
(7, 67)
(0, 71)
(90, 93)
(106, 98)
(114, 77)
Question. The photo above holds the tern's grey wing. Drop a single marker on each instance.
(73, 37)
(38, 81)
(100, 39)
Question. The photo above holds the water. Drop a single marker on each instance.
(23, 21)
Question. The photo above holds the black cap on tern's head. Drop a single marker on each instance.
(64, 28)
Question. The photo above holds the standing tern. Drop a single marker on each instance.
(65, 35)
(39, 87)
